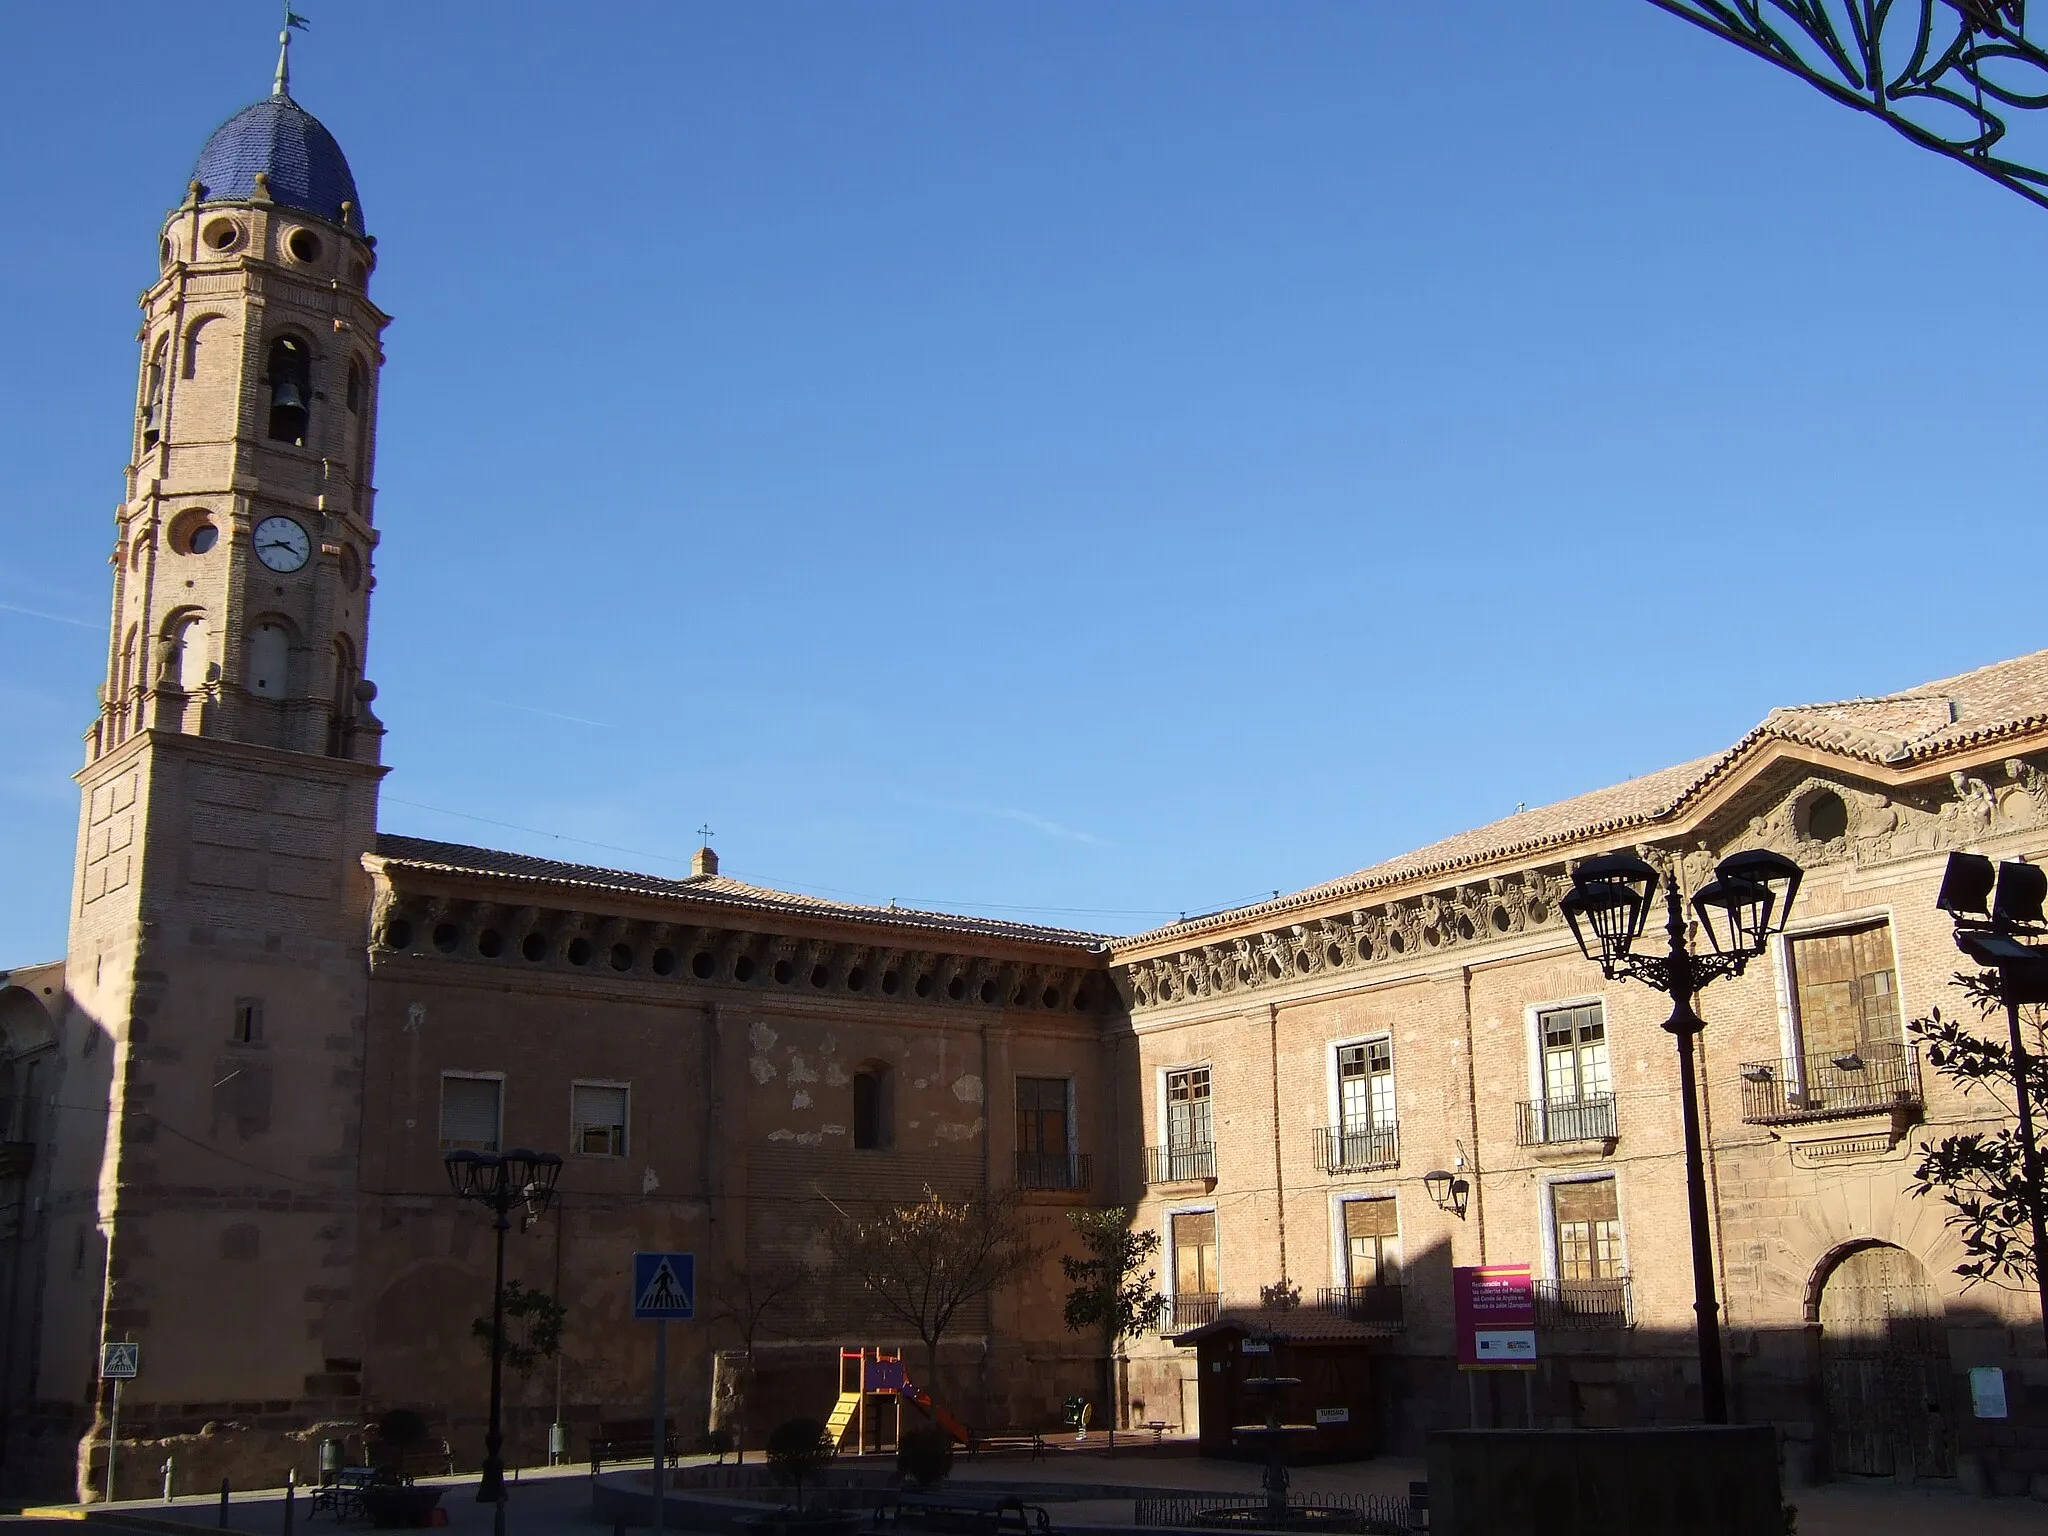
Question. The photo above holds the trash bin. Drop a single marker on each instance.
(330, 1461)
(558, 1443)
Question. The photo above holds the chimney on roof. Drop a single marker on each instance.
(704, 861)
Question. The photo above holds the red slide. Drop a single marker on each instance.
(940, 1417)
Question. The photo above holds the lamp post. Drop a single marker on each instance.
(1745, 903)
(499, 1181)
(1987, 931)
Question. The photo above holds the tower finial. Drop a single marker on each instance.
(282, 85)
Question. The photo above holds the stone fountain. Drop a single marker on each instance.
(1275, 1437)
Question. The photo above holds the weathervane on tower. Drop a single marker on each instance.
(292, 19)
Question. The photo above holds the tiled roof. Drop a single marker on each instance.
(716, 891)
(304, 165)
(1947, 715)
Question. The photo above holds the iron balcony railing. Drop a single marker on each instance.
(1867, 1081)
(1053, 1170)
(1540, 1122)
(1585, 1304)
(1180, 1160)
(1365, 1303)
(1192, 1309)
(1349, 1148)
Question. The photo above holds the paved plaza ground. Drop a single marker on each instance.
(556, 1502)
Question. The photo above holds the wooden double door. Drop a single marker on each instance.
(1883, 1365)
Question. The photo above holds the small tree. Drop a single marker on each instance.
(533, 1328)
(925, 1261)
(1115, 1289)
(925, 1457)
(1981, 1175)
(751, 1298)
(797, 1451)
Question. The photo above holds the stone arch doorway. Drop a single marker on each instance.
(1883, 1365)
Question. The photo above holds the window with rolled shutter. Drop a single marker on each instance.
(470, 1113)
(599, 1114)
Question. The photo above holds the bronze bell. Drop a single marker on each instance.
(284, 395)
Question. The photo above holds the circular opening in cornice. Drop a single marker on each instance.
(446, 937)
(957, 988)
(891, 983)
(1827, 817)
(1244, 975)
(1051, 997)
(743, 968)
(578, 952)
(1302, 962)
(1166, 991)
(397, 934)
(856, 979)
(222, 234)
(1431, 937)
(1143, 997)
(1334, 955)
(988, 991)
(490, 943)
(1465, 928)
(622, 957)
(1364, 949)
(702, 965)
(1081, 998)
(1499, 920)
(303, 245)
(663, 962)
(1538, 913)
(1397, 943)
(923, 985)
(819, 975)
(1274, 968)
(534, 946)
(784, 973)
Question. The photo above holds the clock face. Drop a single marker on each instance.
(282, 544)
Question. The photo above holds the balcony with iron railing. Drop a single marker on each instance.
(1580, 1305)
(1193, 1309)
(1355, 1148)
(1549, 1122)
(1872, 1081)
(1386, 1303)
(1054, 1170)
(1181, 1162)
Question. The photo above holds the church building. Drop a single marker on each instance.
(223, 1112)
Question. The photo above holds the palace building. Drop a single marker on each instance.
(226, 1107)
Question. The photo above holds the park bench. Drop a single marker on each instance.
(1008, 1440)
(629, 1440)
(954, 1513)
(421, 1458)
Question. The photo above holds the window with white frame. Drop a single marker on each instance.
(1190, 1120)
(1574, 1055)
(1365, 1085)
(472, 1112)
(597, 1113)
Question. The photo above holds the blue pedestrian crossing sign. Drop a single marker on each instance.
(119, 1360)
(664, 1286)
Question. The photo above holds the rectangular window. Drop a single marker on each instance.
(471, 1113)
(1188, 1118)
(1372, 1243)
(1365, 1085)
(1042, 1116)
(247, 1028)
(597, 1113)
(1574, 1055)
(1588, 1224)
(1848, 1000)
(1194, 1254)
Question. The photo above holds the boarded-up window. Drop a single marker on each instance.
(470, 1113)
(1848, 1001)
(598, 1113)
(1372, 1242)
(1194, 1254)
(1588, 1230)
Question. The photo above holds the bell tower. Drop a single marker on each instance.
(217, 956)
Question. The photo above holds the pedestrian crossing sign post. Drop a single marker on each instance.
(119, 1360)
(664, 1291)
(665, 1286)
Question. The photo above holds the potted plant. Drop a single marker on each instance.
(925, 1457)
(797, 1452)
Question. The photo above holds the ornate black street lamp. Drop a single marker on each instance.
(501, 1180)
(1988, 930)
(1745, 903)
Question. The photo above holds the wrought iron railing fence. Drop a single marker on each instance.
(1365, 1303)
(1540, 1122)
(1054, 1170)
(1180, 1160)
(1585, 1304)
(1193, 1309)
(1821, 1086)
(1377, 1514)
(1349, 1148)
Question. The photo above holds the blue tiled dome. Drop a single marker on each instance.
(283, 140)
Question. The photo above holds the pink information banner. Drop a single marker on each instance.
(1494, 1307)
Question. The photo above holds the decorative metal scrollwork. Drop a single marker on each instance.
(1948, 74)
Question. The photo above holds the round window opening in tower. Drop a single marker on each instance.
(222, 235)
(303, 245)
(164, 253)
(1827, 817)
(194, 532)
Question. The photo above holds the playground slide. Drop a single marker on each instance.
(842, 1415)
(940, 1417)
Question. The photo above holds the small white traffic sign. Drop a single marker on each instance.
(665, 1286)
(119, 1360)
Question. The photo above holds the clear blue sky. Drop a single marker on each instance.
(1090, 460)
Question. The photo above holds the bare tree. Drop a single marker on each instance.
(749, 1300)
(925, 1261)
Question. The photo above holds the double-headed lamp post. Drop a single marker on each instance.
(1745, 903)
(500, 1181)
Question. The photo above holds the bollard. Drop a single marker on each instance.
(169, 1463)
(291, 1495)
(223, 1503)
(618, 1525)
